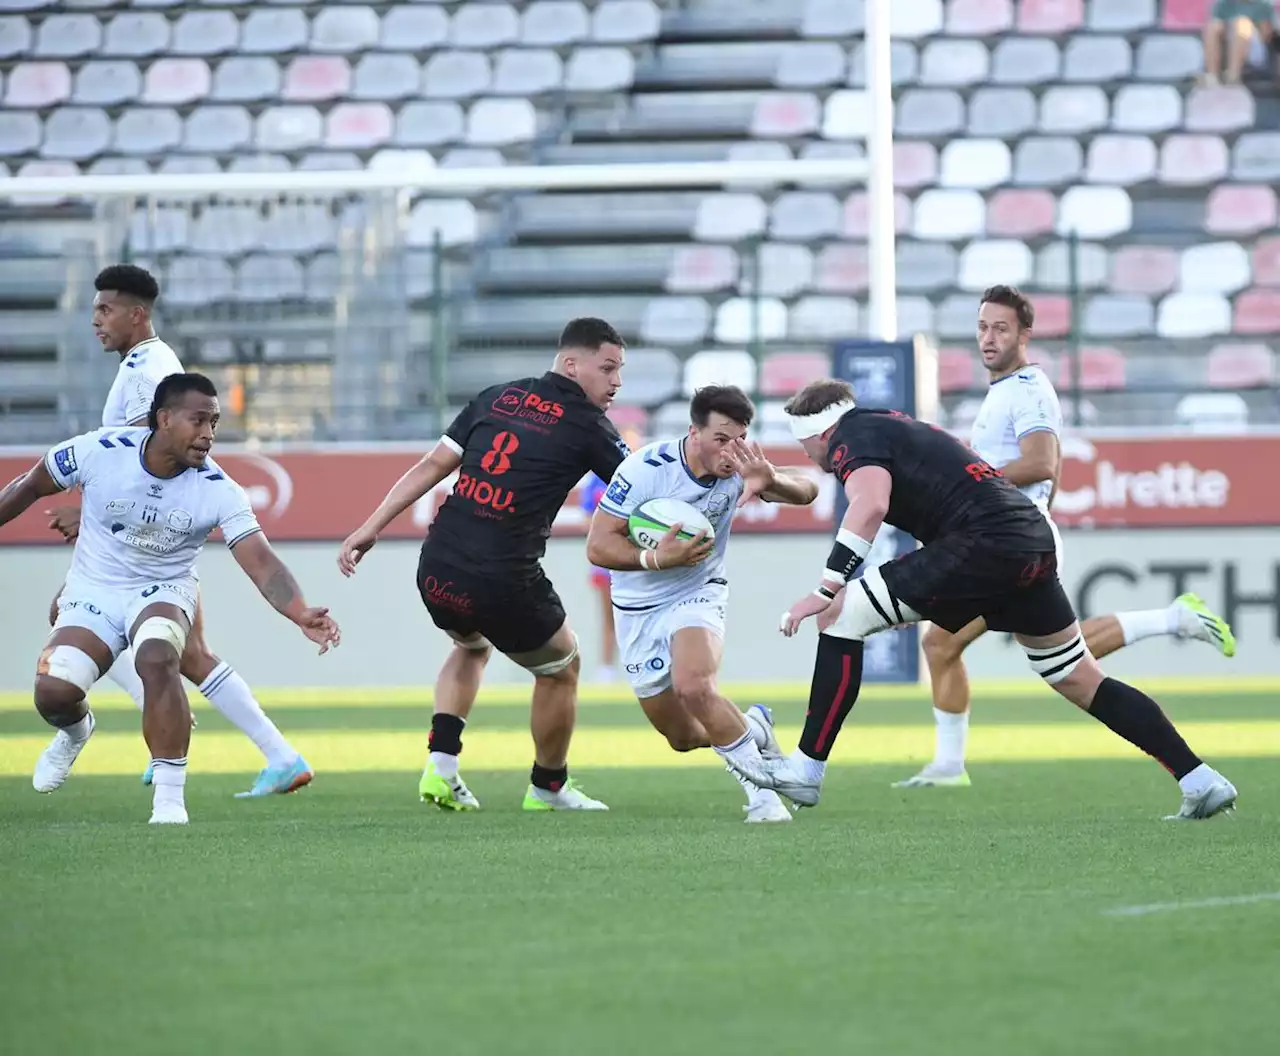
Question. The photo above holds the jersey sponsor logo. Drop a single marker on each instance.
(447, 595)
(65, 459)
(717, 506)
(981, 471)
(618, 490)
(180, 589)
(621, 445)
(483, 493)
(117, 506)
(528, 406)
(150, 514)
(654, 663)
(155, 490)
(180, 520)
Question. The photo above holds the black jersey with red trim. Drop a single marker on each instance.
(940, 486)
(524, 445)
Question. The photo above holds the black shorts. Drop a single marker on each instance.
(517, 615)
(954, 580)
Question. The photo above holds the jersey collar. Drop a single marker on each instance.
(704, 482)
(1029, 366)
(140, 344)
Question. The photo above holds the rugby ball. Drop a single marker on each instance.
(651, 520)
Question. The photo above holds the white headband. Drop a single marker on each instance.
(807, 425)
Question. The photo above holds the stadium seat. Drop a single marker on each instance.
(15, 36)
(1097, 60)
(1053, 316)
(421, 124)
(915, 316)
(1215, 267)
(624, 21)
(176, 82)
(1256, 312)
(1047, 161)
(999, 260)
(719, 367)
(264, 278)
(38, 85)
(920, 18)
(109, 166)
(1101, 369)
(454, 220)
(777, 269)
(674, 321)
(300, 228)
(316, 79)
(702, 269)
(804, 216)
(1002, 113)
(409, 162)
(1121, 160)
(484, 26)
(1095, 212)
(554, 23)
(820, 318)
(1209, 413)
(810, 64)
(1051, 17)
(1121, 16)
(76, 132)
(1073, 109)
(956, 317)
(1256, 157)
(288, 128)
(344, 27)
(1150, 270)
(1025, 60)
(1225, 109)
(330, 160)
(205, 33)
(158, 230)
(381, 77)
(217, 130)
(832, 18)
(1266, 262)
(785, 373)
(358, 126)
(949, 215)
(406, 27)
(456, 74)
(1234, 209)
(904, 64)
(955, 370)
(259, 162)
(1147, 108)
(915, 164)
(979, 18)
(273, 31)
(472, 158)
(68, 37)
(1092, 266)
(1240, 366)
(841, 267)
(786, 115)
(1168, 57)
(193, 282)
(954, 63)
(925, 267)
(929, 113)
(653, 375)
(1188, 160)
(1014, 213)
(1114, 315)
(729, 217)
(135, 34)
(226, 229)
(150, 131)
(599, 70)
(744, 320)
(527, 71)
(856, 217)
(107, 83)
(980, 163)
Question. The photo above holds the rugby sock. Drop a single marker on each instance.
(1138, 719)
(549, 779)
(743, 750)
(169, 781)
(231, 695)
(837, 677)
(951, 732)
(125, 675)
(1148, 623)
(79, 730)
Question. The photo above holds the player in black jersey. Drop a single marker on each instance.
(518, 449)
(988, 552)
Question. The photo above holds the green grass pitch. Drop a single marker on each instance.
(349, 918)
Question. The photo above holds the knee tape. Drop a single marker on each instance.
(161, 629)
(477, 645)
(870, 606)
(72, 665)
(1055, 664)
(554, 667)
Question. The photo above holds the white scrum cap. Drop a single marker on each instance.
(804, 426)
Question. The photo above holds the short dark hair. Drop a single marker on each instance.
(589, 332)
(129, 279)
(818, 396)
(728, 400)
(1012, 297)
(172, 389)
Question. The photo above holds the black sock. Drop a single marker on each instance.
(548, 778)
(446, 734)
(837, 677)
(1138, 719)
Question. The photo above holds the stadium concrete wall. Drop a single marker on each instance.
(389, 641)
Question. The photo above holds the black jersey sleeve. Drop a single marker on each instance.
(460, 428)
(861, 440)
(605, 448)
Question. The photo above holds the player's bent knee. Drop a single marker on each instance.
(55, 697)
(693, 692)
(1056, 663)
(870, 606)
(155, 659)
(163, 630)
(68, 665)
(197, 662)
(941, 647)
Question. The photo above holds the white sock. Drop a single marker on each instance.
(231, 695)
(813, 769)
(951, 732)
(743, 748)
(1148, 623)
(124, 675)
(79, 731)
(169, 781)
(446, 764)
(756, 728)
(1197, 780)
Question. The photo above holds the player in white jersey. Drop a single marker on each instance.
(1017, 430)
(151, 497)
(122, 322)
(669, 603)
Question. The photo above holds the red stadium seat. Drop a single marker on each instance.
(1014, 213)
(842, 268)
(1186, 14)
(955, 370)
(1240, 366)
(1144, 269)
(785, 373)
(316, 78)
(1050, 17)
(1266, 263)
(915, 164)
(1053, 315)
(1240, 209)
(1257, 312)
(856, 214)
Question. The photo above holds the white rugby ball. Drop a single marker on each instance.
(651, 520)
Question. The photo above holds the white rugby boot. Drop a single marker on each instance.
(760, 719)
(1217, 796)
(569, 797)
(936, 775)
(56, 760)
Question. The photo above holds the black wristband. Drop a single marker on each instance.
(842, 563)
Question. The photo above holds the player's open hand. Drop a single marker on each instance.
(674, 552)
(320, 627)
(354, 547)
(748, 461)
(65, 519)
(810, 605)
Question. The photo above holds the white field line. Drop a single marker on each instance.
(1193, 904)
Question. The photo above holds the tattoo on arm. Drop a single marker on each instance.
(280, 589)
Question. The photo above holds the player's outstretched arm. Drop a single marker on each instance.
(22, 492)
(276, 583)
(430, 471)
(762, 479)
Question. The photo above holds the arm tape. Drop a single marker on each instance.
(846, 555)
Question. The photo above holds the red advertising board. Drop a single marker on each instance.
(322, 494)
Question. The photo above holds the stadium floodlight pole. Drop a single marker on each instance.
(882, 323)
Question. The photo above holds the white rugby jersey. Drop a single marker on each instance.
(143, 368)
(1016, 405)
(660, 471)
(137, 528)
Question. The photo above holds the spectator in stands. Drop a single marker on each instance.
(1238, 20)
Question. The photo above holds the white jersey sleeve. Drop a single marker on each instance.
(71, 462)
(235, 513)
(634, 483)
(140, 372)
(1035, 407)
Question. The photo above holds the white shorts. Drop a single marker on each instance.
(644, 637)
(110, 612)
